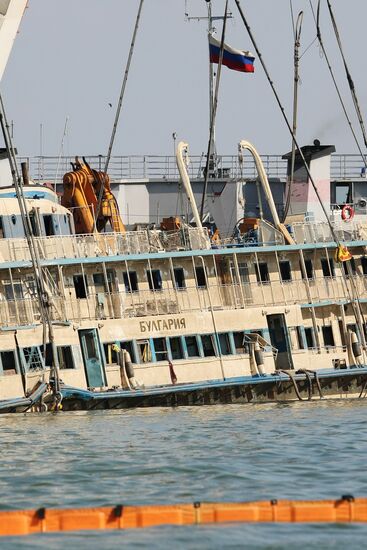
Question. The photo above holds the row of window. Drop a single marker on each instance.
(180, 347)
(130, 278)
(327, 266)
(34, 358)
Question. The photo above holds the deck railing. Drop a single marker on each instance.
(170, 301)
(140, 167)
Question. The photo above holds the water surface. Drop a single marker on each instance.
(221, 453)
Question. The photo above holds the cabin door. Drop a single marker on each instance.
(92, 358)
(280, 340)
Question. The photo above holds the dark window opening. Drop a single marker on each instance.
(8, 361)
(144, 350)
(99, 281)
(110, 353)
(310, 339)
(200, 277)
(328, 267)
(154, 279)
(244, 274)
(80, 285)
(176, 347)
(239, 342)
(262, 272)
(309, 270)
(160, 349)
(364, 264)
(49, 225)
(352, 265)
(1, 228)
(327, 333)
(130, 281)
(208, 345)
(342, 333)
(225, 344)
(300, 338)
(179, 276)
(285, 271)
(13, 291)
(192, 346)
(65, 355)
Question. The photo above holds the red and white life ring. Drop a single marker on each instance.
(347, 213)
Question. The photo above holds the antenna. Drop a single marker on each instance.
(211, 29)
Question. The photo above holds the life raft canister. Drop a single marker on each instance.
(347, 213)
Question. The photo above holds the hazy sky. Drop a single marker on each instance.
(70, 55)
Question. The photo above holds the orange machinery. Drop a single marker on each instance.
(82, 188)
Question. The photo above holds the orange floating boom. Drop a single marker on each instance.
(26, 522)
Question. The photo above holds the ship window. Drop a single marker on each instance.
(327, 333)
(309, 269)
(328, 267)
(13, 291)
(310, 339)
(33, 358)
(200, 277)
(49, 225)
(154, 279)
(352, 264)
(8, 362)
(99, 280)
(179, 276)
(130, 281)
(80, 285)
(1, 228)
(262, 272)
(285, 270)
(364, 264)
(300, 338)
(239, 342)
(243, 271)
(110, 353)
(208, 345)
(65, 355)
(192, 346)
(342, 333)
(145, 353)
(225, 344)
(176, 347)
(129, 347)
(160, 349)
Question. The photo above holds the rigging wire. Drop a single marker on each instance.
(349, 77)
(214, 112)
(354, 297)
(118, 110)
(43, 295)
(323, 49)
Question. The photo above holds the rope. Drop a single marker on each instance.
(336, 84)
(291, 378)
(119, 106)
(214, 112)
(349, 77)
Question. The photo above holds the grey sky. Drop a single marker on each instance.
(69, 58)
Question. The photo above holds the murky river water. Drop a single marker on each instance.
(222, 453)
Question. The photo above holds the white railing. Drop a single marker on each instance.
(106, 244)
(119, 305)
(46, 168)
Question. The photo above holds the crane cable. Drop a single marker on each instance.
(319, 36)
(118, 110)
(354, 298)
(214, 112)
(44, 297)
(349, 77)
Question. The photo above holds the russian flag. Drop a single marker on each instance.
(238, 60)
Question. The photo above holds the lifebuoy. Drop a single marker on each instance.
(347, 213)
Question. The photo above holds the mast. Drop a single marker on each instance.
(211, 29)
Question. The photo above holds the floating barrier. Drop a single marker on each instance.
(347, 509)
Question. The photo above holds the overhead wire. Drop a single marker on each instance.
(214, 112)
